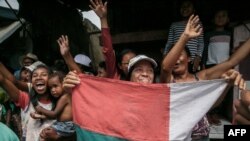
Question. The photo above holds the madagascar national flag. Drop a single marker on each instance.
(114, 110)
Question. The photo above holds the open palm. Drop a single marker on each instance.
(99, 8)
(63, 42)
(193, 28)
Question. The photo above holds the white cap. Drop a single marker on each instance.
(139, 58)
(33, 66)
(82, 59)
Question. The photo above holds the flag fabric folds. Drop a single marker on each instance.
(114, 110)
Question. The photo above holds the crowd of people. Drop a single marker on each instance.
(40, 96)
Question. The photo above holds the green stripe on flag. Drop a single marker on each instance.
(85, 135)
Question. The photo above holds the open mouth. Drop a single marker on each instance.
(40, 86)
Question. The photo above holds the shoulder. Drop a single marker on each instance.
(65, 97)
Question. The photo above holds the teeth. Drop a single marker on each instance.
(144, 80)
(40, 87)
(40, 83)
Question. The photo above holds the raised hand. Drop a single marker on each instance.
(70, 81)
(193, 28)
(235, 78)
(99, 8)
(63, 42)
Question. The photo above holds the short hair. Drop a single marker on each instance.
(122, 53)
(43, 66)
(58, 74)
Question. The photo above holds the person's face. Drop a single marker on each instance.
(125, 61)
(221, 18)
(39, 80)
(27, 62)
(143, 72)
(181, 65)
(187, 9)
(25, 75)
(55, 86)
(101, 72)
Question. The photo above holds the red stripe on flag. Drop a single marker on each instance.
(122, 109)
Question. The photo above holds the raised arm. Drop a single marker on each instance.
(9, 87)
(193, 29)
(216, 71)
(8, 75)
(63, 42)
(101, 11)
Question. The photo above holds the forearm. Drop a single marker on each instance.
(6, 73)
(48, 113)
(216, 71)
(173, 55)
(69, 60)
(11, 89)
(104, 22)
(241, 53)
(22, 85)
(108, 53)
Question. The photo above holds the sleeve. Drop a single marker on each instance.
(109, 53)
(170, 40)
(23, 100)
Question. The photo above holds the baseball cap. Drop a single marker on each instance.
(33, 66)
(28, 55)
(82, 59)
(31, 56)
(139, 58)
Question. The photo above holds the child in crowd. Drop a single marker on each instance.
(25, 60)
(39, 95)
(218, 45)
(194, 45)
(218, 49)
(101, 70)
(64, 127)
(85, 63)
(25, 75)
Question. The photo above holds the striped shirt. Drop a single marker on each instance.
(195, 45)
